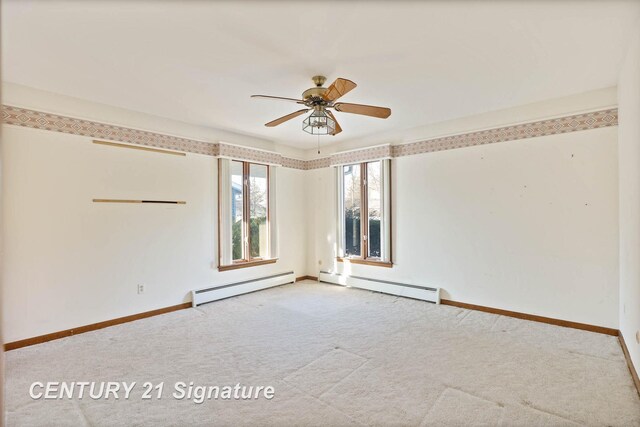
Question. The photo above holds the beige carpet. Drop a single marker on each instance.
(335, 356)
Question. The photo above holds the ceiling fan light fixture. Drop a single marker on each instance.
(319, 123)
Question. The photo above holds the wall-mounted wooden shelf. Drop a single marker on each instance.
(138, 147)
(161, 202)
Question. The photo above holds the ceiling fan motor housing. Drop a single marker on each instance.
(314, 95)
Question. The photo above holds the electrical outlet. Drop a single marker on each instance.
(140, 289)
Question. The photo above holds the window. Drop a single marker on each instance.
(245, 214)
(364, 211)
(352, 210)
(237, 209)
(258, 211)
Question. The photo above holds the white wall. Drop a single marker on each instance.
(629, 154)
(529, 226)
(70, 262)
(463, 220)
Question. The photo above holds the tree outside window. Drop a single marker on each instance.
(250, 215)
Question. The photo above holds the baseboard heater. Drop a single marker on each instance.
(214, 293)
(400, 289)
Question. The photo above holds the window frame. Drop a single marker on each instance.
(364, 257)
(247, 260)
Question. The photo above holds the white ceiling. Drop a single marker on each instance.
(428, 61)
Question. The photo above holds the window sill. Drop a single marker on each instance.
(366, 262)
(247, 264)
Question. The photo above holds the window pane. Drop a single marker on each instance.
(236, 210)
(259, 206)
(374, 205)
(352, 204)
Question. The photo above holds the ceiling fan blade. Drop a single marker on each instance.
(338, 128)
(338, 88)
(283, 119)
(278, 98)
(365, 110)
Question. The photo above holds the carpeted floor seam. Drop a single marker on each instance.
(327, 404)
(343, 379)
(82, 414)
(351, 352)
(461, 390)
(313, 361)
(465, 313)
(608, 359)
(495, 322)
(435, 403)
(564, 417)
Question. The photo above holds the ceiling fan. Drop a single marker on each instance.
(320, 100)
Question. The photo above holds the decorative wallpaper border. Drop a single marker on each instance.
(52, 122)
(56, 123)
(592, 120)
(372, 153)
(323, 162)
(288, 162)
(246, 153)
(572, 123)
